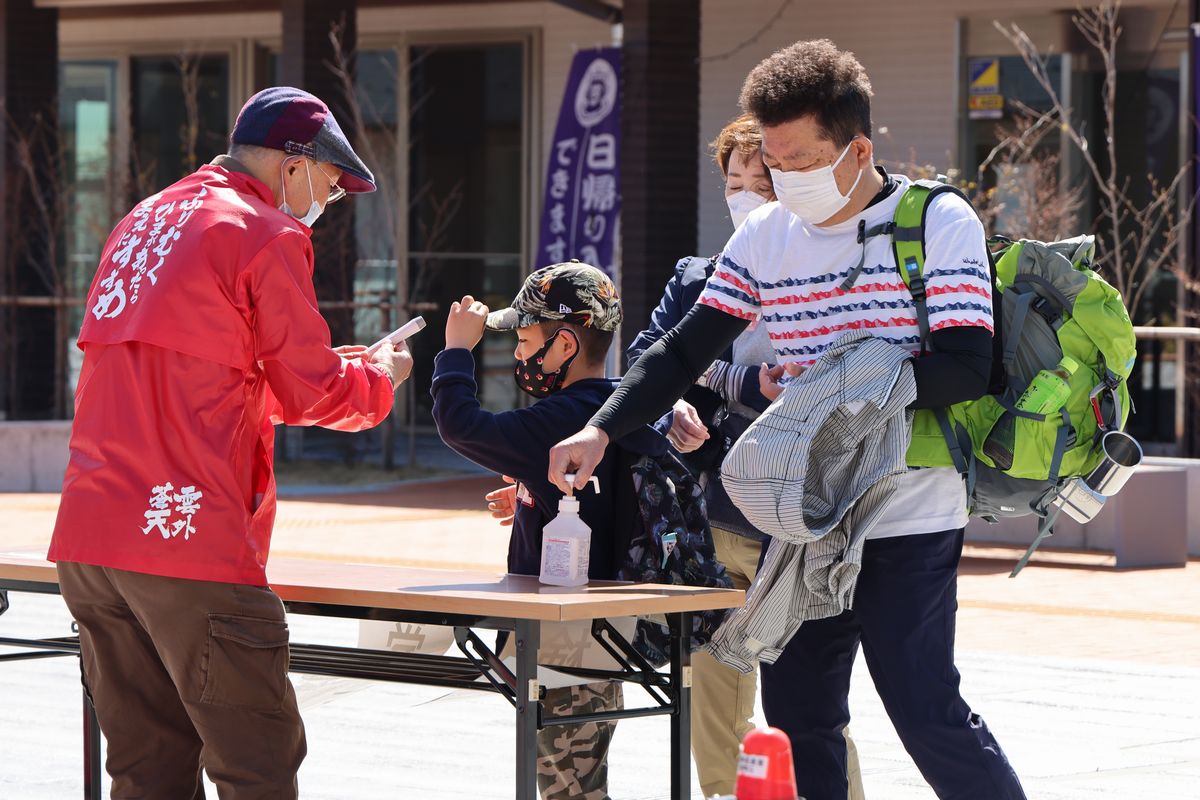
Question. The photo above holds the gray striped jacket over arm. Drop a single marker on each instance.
(815, 472)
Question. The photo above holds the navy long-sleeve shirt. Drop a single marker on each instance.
(518, 442)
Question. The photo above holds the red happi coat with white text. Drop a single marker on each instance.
(201, 331)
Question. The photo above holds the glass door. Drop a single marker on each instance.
(466, 136)
(180, 116)
(91, 179)
(443, 128)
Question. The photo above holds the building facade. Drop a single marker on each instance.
(455, 106)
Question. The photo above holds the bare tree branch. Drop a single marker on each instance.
(1025, 140)
(189, 79)
(40, 169)
(379, 146)
(1139, 238)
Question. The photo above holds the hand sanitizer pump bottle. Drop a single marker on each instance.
(566, 544)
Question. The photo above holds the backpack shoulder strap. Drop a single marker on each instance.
(908, 243)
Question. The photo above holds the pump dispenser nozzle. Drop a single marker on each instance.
(570, 502)
(570, 476)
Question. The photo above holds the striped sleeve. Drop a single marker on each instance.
(732, 289)
(957, 278)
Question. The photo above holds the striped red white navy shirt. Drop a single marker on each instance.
(789, 273)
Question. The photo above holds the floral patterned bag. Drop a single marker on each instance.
(671, 543)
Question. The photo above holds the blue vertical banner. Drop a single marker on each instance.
(583, 190)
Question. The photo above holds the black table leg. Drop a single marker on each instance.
(681, 720)
(528, 634)
(91, 751)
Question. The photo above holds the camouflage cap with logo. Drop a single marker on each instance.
(571, 292)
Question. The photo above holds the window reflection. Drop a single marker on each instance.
(180, 116)
(463, 216)
(465, 220)
(87, 116)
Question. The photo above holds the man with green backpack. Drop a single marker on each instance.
(1062, 354)
(813, 266)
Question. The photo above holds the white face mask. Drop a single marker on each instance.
(314, 210)
(813, 196)
(741, 204)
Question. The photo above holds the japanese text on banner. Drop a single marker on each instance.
(583, 198)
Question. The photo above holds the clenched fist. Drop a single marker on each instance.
(464, 325)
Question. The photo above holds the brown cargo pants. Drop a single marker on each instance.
(187, 675)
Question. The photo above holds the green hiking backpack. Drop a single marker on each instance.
(1047, 303)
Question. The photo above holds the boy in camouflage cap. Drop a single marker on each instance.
(573, 292)
(561, 311)
(564, 317)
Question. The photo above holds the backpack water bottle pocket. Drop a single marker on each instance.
(1022, 445)
(995, 447)
(1040, 445)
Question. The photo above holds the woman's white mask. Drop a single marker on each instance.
(314, 210)
(813, 196)
(741, 204)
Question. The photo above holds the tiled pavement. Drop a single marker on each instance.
(1089, 676)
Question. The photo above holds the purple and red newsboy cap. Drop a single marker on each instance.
(296, 122)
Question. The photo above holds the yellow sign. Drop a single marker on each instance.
(986, 102)
(984, 75)
(985, 106)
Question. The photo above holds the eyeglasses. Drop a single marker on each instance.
(335, 192)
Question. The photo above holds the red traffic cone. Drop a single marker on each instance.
(765, 767)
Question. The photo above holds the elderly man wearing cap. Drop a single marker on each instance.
(201, 331)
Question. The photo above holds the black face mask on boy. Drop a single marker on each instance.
(535, 381)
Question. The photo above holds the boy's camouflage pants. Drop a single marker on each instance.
(573, 759)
